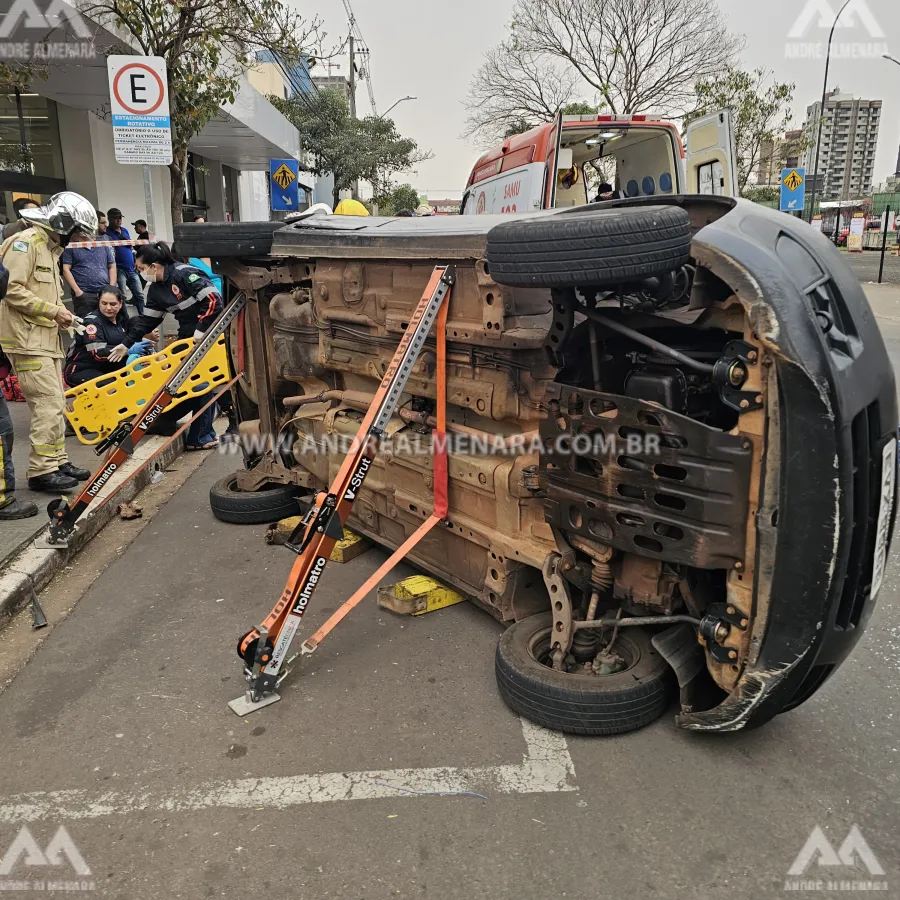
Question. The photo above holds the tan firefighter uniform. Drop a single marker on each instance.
(30, 336)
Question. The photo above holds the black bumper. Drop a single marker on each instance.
(837, 413)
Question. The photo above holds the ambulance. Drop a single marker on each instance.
(560, 163)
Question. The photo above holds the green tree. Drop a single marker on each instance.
(207, 46)
(404, 196)
(580, 108)
(760, 112)
(760, 194)
(351, 150)
(518, 126)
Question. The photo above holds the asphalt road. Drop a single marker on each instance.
(866, 265)
(169, 795)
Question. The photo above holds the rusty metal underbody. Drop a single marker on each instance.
(651, 536)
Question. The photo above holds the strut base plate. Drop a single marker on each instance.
(42, 542)
(243, 705)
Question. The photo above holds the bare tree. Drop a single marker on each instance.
(512, 88)
(640, 55)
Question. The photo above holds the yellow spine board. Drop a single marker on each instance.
(96, 407)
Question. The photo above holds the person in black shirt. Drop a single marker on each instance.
(97, 351)
(187, 293)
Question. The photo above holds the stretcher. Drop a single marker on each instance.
(119, 445)
(95, 407)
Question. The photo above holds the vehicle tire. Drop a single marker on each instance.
(210, 239)
(270, 504)
(593, 248)
(581, 704)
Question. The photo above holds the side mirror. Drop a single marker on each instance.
(565, 160)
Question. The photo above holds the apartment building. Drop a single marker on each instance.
(848, 145)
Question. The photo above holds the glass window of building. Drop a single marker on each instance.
(30, 153)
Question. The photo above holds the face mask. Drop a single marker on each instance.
(147, 276)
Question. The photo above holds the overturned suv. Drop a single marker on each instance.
(677, 438)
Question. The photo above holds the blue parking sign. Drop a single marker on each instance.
(284, 184)
(793, 189)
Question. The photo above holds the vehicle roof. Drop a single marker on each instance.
(429, 237)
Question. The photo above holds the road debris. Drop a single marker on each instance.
(130, 511)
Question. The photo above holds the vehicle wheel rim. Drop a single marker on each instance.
(539, 644)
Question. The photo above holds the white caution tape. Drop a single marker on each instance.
(85, 245)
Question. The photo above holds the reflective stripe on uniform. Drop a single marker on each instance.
(48, 449)
(190, 301)
(29, 365)
(97, 345)
(154, 313)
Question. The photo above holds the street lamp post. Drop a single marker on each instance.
(815, 173)
(396, 104)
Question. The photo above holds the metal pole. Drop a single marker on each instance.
(355, 186)
(812, 202)
(887, 218)
(396, 104)
(352, 78)
(148, 199)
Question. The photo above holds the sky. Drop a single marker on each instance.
(430, 49)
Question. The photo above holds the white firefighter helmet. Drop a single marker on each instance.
(64, 213)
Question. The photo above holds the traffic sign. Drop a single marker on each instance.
(284, 184)
(139, 100)
(793, 190)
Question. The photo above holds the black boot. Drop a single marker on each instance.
(52, 481)
(74, 472)
(17, 509)
(231, 433)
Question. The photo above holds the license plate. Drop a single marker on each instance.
(882, 534)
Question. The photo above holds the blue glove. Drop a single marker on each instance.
(141, 348)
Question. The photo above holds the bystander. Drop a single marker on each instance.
(10, 507)
(140, 230)
(128, 278)
(88, 269)
(18, 224)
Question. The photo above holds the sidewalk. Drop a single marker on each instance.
(884, 300)
(26, 570)
(14, 534)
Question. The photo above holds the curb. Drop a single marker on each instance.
(30, 570)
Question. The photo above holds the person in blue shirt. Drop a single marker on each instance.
(88, 269)
(127, 276)
(204, 267)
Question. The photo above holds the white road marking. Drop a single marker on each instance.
(546, 768)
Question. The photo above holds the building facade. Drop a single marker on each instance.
(848, 145)
(785, 152)
(56, 134)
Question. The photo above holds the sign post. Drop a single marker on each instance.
(793, 190)
(284, 185)
(139, 98)
(855, 237)
(888, 220)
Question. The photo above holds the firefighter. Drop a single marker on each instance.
(31, 315)
(94, 351)
(192, 298)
